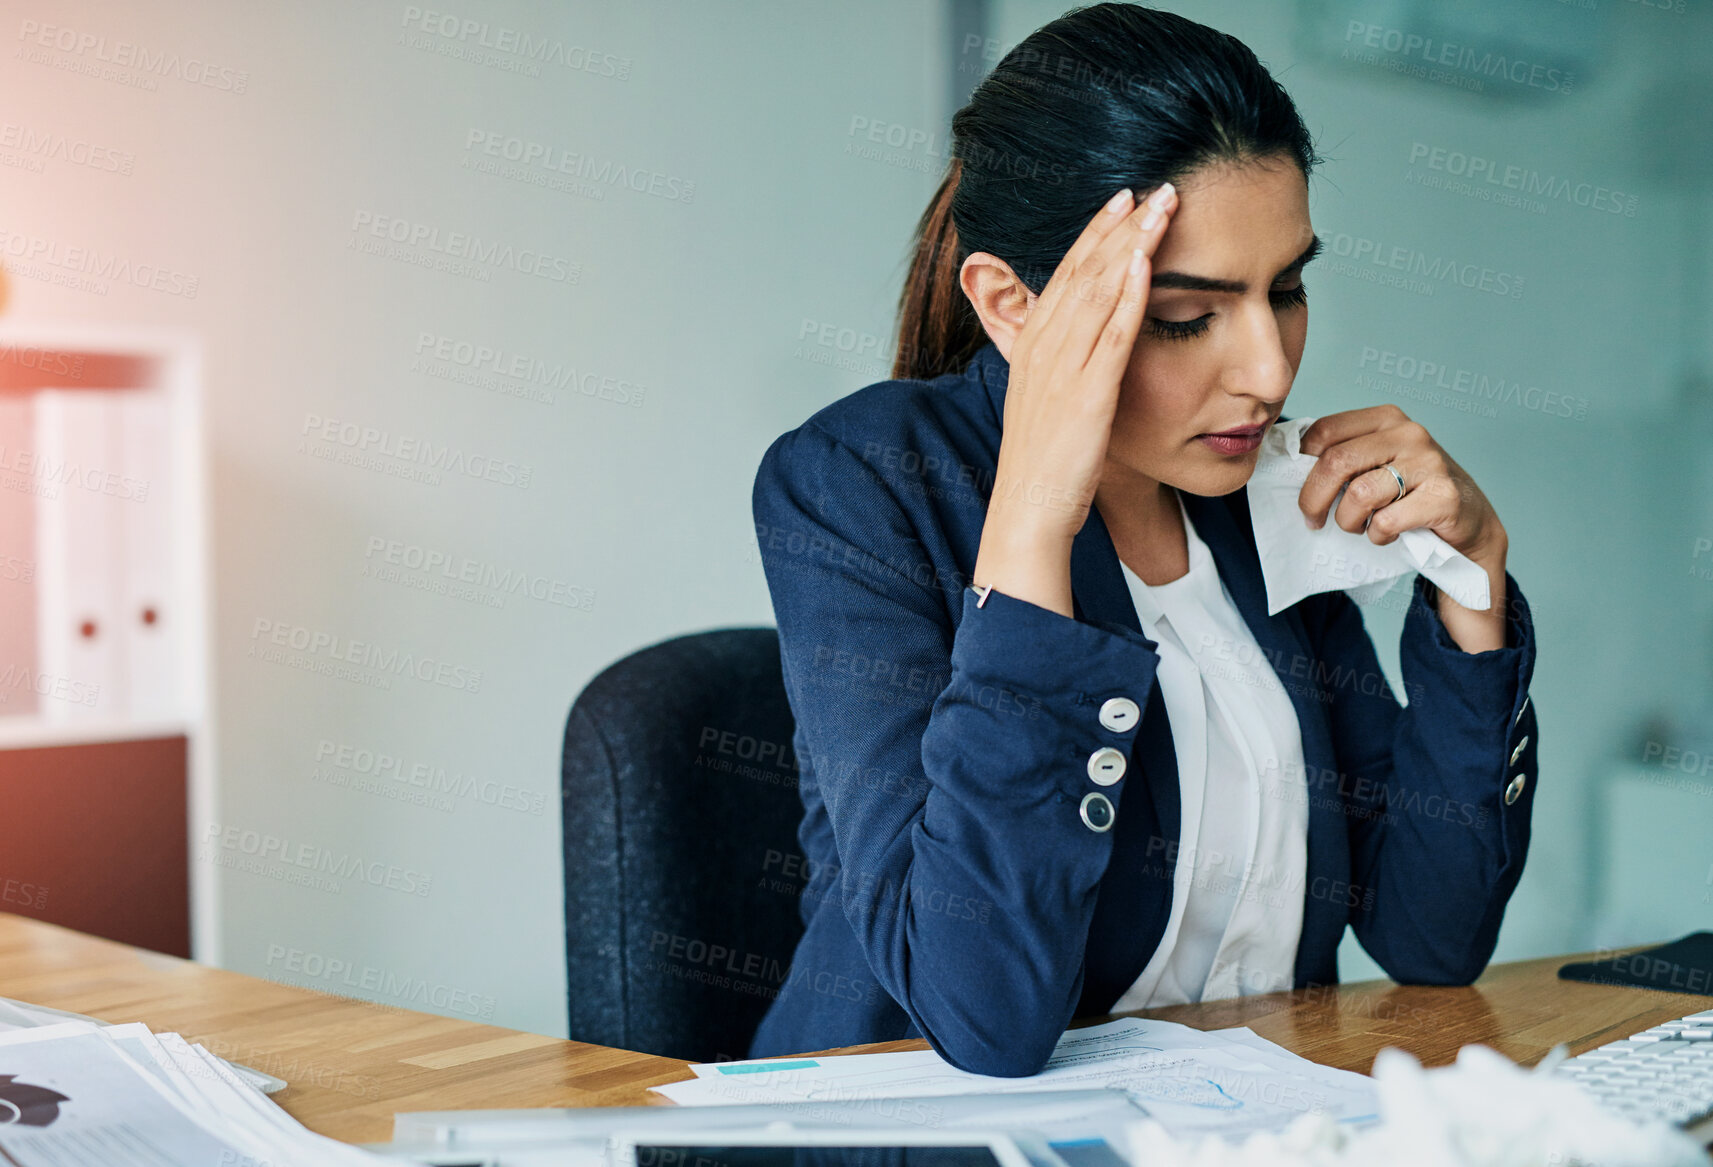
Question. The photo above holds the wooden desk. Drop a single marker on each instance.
(351, 1064)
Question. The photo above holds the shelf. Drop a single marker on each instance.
(30, 733)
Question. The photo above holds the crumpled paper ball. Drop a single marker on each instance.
(1482, 1111)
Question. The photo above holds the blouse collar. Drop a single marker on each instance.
(1201, 578)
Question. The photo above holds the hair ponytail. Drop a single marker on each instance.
(938, 331)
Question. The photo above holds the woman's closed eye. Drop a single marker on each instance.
(1282, 299)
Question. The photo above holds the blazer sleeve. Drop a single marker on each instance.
(952, 763)
(1437, 795)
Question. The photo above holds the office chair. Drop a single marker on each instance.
(682, 868)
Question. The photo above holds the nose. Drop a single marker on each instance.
(1259, 366)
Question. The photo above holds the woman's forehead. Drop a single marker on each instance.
(1234, 220)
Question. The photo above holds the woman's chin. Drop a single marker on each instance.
(1212, 481)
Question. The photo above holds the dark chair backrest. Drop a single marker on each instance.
(682, 866)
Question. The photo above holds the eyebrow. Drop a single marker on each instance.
(1190, 283)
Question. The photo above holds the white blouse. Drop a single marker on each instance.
(1237, 891)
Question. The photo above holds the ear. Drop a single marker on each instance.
(1000, 299)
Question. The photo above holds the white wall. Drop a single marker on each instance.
(699, 298)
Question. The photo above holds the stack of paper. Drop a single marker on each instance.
(23, 1015)
(121, 1096)
(1227, 1081)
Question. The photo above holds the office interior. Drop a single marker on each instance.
(244, 288)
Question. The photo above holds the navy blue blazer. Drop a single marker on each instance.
(955, 892)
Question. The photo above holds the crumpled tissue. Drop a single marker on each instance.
(1298, 562)
(1481, 1111)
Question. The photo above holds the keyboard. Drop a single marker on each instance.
(1664, 1073)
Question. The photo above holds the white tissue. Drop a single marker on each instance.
(1482, 1111)
(1298, 562)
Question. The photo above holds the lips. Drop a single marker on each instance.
(1246, 431)
(1237, 442)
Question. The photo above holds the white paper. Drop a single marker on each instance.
(1298, 562)
(113, 1112)
(245, 1107)
(1187, 1079)
(135, 1041)
(23, 1015)
(1483, 1111)
(120, 1096)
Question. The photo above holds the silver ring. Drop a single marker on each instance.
(1399, 477)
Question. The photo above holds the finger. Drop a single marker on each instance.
(1341, 463)
(1367, 494)
(1418, 508)
(1092, 302)
(1102, 224)
(1113, 347)
(1346, 424)
(1094, 269)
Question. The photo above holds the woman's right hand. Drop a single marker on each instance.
(1067, 364)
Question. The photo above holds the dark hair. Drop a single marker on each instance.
(1104, 97)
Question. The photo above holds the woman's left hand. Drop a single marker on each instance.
(1353, 448)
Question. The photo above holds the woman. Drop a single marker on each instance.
(1047, 771)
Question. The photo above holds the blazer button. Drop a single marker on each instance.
(1515, 789)
(1520, 709)
(1097, 812)
(1119, 714)
(1106, 766)
(1518, 752)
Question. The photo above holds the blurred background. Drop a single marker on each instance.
(372, 376)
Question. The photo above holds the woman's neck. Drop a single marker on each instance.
(1144, 518)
